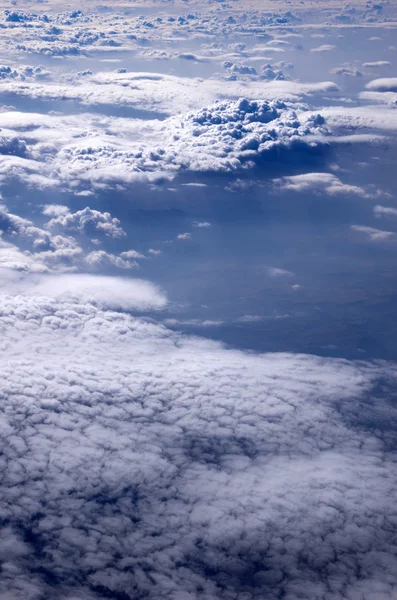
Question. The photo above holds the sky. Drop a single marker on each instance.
(198, 243)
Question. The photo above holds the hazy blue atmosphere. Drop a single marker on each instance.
(198, 300)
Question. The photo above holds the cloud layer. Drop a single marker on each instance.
(140, 463)
(227, 136)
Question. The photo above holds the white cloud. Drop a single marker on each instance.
(131, 254)
(250, 319)
(159, 93)
(373, 233)
(42, 249)
(192, 323)
(377, 64)
(103, 291)
(23, 73)
(88, 221)
(360, 117)
(55, 210)
(325, 183)
(97, 151)
(101, 258)
(201, 224)
(140, 462)
(385, 84)
(12, 258)
(276, 272)
(384, 211)
(347, 70)
(388, 98)
(323, 48)
(184, 236)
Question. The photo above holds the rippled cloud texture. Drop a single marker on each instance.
(150, 464)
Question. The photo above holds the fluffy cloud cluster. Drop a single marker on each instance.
(26, 247)
(241, 71)
(23, 73)
(75, 33)
(89, 221)
(227, 136)
(347, 70)
(139, 463)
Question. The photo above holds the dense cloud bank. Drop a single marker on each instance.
(155, 93)
(76, 33)
(139, 463)
(227, 136)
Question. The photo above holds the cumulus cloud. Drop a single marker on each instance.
(38, 243)
(73, 33)
(347, 70)
(101, 258)
(325, 183)
(132, 254)
(270, 73)
(236, 70)
(226, 136)
(55, 210)
(25, 72)
(385, 84)
(88, 221)
(45, 248)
